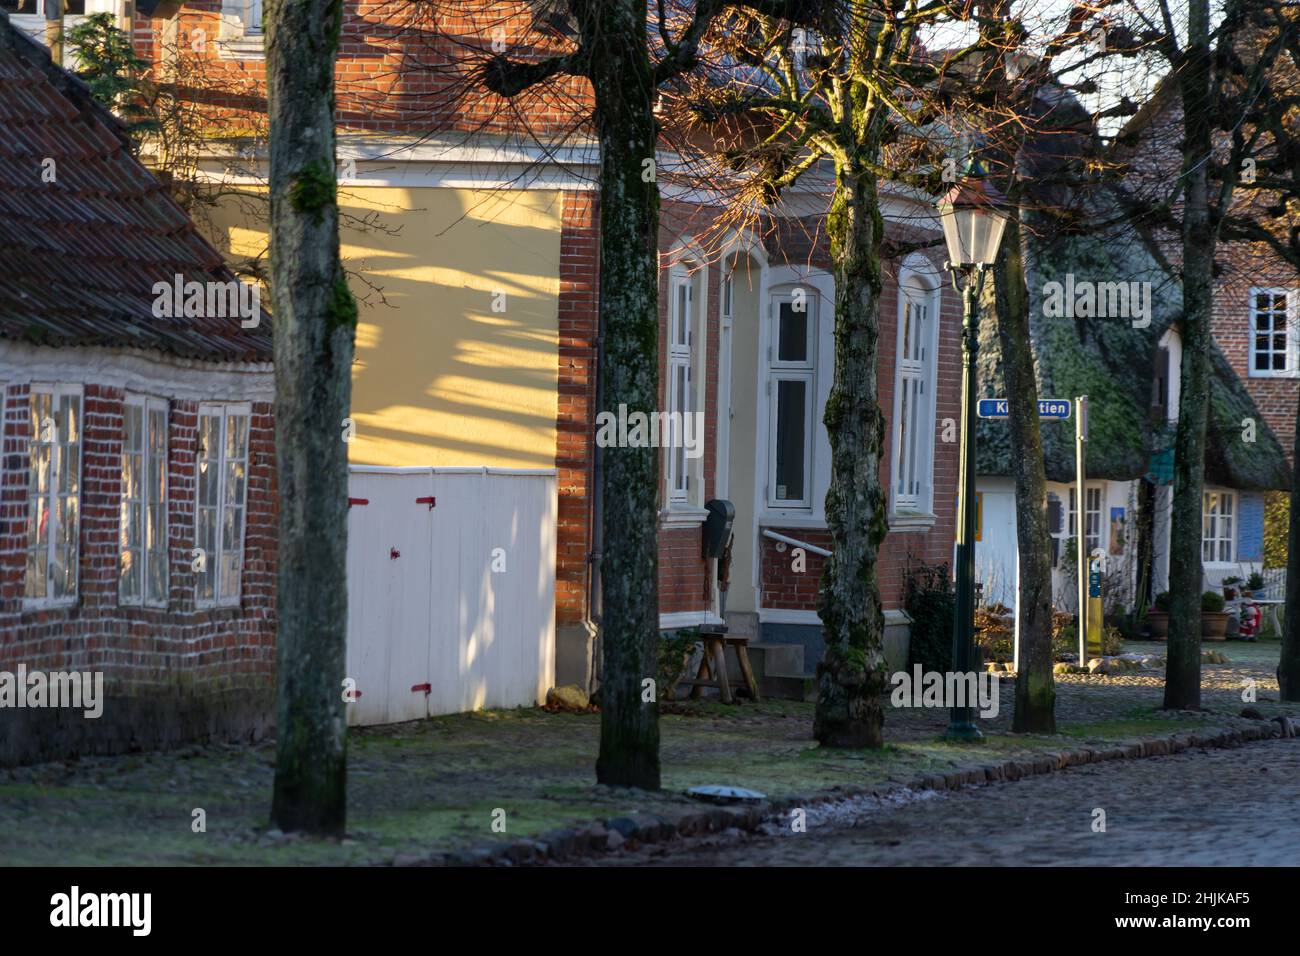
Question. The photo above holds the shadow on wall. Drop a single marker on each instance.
(457, 338)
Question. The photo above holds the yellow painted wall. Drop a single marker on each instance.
(440, 378)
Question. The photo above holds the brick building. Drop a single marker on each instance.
(138, 485)
(456, 202)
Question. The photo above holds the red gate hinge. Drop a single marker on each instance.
(430, 501)
(358, 501)
(427, 688)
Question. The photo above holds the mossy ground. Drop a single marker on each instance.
(434, 784)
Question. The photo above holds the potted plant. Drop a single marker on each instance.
(1229, 586)
(1214, 620)
(1158, 617)
(1253, 583)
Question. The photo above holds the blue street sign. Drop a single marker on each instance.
(1053, 409)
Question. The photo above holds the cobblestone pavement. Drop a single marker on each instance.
(1232, 807)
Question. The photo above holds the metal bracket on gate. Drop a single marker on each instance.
(430, 501)
(358, 501)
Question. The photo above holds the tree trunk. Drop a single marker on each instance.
(1183, 670)
(1288, 668)
(315, 323)
(851, 677)
(1035, 708)
(629, 321)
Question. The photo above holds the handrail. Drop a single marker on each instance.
(768, 533)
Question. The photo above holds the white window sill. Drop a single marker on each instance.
(911, 520)
(777, 519)
(250, 47)
(1294, 373)
(49, 604)
(682, 516)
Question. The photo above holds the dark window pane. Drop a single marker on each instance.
(790, 425)
(793, 346)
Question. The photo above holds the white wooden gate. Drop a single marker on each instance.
(451, 590)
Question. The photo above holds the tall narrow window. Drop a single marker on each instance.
(222, 484)
(681, 388)
(913, 432)
(792, 369)
(254, 22)
(1217, 539)
(1274, 339)
(53, 493)
(142, 573)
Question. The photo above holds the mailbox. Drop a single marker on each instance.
(717, 527)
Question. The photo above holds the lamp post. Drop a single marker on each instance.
(973, 215)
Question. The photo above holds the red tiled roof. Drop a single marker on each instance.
(79, 257)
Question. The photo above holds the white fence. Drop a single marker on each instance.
(451, 590)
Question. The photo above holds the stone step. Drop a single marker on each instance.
(772, 659)
(742, 624)
(789, 688)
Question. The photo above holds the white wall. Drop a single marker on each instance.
(438, 612)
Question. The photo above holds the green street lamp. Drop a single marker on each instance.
(974, 216)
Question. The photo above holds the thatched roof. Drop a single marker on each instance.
(1108, 358)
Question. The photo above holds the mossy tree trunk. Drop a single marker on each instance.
(851, 677)
(1008, 296)
(315, 325)
(1183, 668)
(621, 76)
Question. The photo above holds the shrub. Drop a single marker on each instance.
(1212, 601)
(993, 635)
(674, 650)
(1162, 601)
(929, 599)
(1277, 521)
(1255, 582)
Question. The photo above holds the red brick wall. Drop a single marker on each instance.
(577, 395)
(138, 647)
(397, 69)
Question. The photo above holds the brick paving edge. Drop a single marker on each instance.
(618, 834)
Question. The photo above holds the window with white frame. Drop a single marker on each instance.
(240, 33)
(1217, 539)
(1275, 343)
(53, 493)
(913, 427)
(1092, 516)
(222, 489)
(681, 384)
(792, 364)
(142, 531)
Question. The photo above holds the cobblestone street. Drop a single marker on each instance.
(1236, 807)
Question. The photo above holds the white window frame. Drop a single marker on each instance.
(1072, 518)
(1292, 369)
(921, 367)
(241, 32)
(225, 411)
(778, 371)
(683, 333)
(1220, 527)
(148, 406)
(54, 493)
